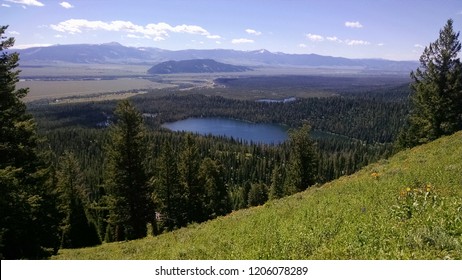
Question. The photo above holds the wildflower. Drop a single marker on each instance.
(375, 175)
(402, 193)
(429, 187)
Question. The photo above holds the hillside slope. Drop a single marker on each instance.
(407, 207)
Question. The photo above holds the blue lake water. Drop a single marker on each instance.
(258, 133)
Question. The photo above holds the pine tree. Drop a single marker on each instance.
(189, 163)
(216, 201)
(276, 190)
(436, 98)
(168, 192)
(126, 178)
(258, 194)
(29, 216)
(303, 163)
(77, 231)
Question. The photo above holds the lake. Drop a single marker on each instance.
(241, 130)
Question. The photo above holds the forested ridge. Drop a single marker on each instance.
(365, 119)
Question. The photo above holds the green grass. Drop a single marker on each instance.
(407, 207)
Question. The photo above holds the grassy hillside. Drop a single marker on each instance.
(408, 207)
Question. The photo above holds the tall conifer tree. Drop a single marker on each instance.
(276, 190)
(216, 199)
(168, 193)
(188, 166)
(126, 178)
(436, 98)
(77, 231)
(303, 163)
(28, 213)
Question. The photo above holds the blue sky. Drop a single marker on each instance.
(389, 29)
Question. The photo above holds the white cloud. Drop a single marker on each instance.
(242, 41)
(253, 32)
(134, 36)
(214, 36)
(419, 46)
(302, 45)
(27, 2)
(6, 5)
(158, 38)
(353, 24)
(155, 31)
(380, 44)
(315, 37)
(191, 29)
(13, 32)
(357, 43)
(66, 5)
(333, 39)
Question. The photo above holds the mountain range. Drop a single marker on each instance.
(115, 53)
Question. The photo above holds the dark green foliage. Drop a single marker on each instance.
(278, 178)
(238, 196)
(77, 231)
(371, 120)
(216, 202)
(436, 99)
(303, 164)
(169, 194)
(189, 165)
(258, 194)
(126, 178)
(29, 216)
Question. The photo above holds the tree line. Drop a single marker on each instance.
(363, 119)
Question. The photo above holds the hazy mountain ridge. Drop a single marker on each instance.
(119, 54)
(195, 66)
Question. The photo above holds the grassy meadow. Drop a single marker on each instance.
(407, 207)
